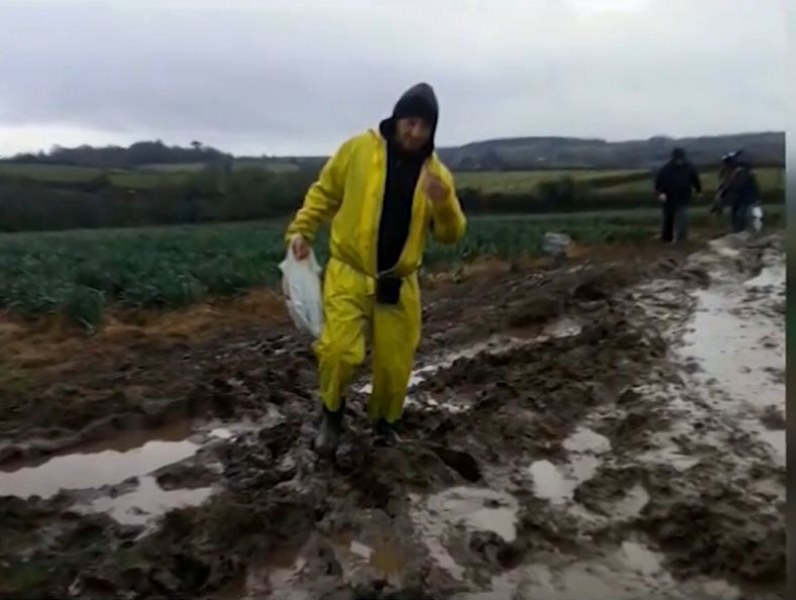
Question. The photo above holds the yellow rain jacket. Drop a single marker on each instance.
(349, 193)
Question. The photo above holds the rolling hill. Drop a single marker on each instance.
(533, 153)
(513, 154)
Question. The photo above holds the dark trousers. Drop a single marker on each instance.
(739, 216)
(675, 222)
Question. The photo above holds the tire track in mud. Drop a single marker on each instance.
(563, 469)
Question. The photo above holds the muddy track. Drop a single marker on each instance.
(149, 381)
(564, 439)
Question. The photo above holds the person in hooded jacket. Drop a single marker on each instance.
(675, 183)
(384, 192)
(725, 176)
(739, 190)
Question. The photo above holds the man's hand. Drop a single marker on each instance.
(300, 247)
(662, 197)
(436, 189)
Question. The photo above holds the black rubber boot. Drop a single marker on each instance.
(329, 431)
(386, 435)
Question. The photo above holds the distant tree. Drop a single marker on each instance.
(139, 153)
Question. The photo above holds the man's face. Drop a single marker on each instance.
(412, 133)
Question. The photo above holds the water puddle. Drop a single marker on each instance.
(562, 328)
(669, 456)
(633, 503)
(146, 501)
(428, 401)
(476, 509)
(586, 440)
(737, 349)
(557, 483)
(727, 246)
(221, 433)
(275, 578)
(768, 279)
(729, 350)
(631, 572)
(775, 439)
(639, 558)
(129, 454)
(479, 509)
(549, 483)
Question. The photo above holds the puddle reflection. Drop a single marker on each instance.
(109, 462)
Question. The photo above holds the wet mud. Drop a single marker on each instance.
(570, 432)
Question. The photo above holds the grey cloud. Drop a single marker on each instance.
(299, 76)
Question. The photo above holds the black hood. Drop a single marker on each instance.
(418, 101)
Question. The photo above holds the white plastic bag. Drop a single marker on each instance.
(556, 244)
(301, 285)
(757, 218)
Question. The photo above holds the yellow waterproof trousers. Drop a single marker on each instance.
(350, 312)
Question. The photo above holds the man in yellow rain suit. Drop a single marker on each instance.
(383, 192)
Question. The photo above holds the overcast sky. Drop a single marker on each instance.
(298, 76)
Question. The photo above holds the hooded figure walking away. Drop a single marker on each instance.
(739, 190)
(384, 192)
(675, 183)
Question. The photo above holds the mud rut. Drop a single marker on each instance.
(570, 434)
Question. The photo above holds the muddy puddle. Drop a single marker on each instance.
(631, 572)
(464, 508)
(129, 454)
(274, 577)
(118, 476)
(736, 339)
(145, 501)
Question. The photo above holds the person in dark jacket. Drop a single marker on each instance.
(675, 183)
(739, 190)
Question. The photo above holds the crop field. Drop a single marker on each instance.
(527, 182)
(49, 173)
(129, 178)
(173, 167)
(768, 178)
(486, 182)
(81, 273)
(521, 182)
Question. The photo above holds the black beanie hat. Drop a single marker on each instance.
(418, 101)
(678, 154)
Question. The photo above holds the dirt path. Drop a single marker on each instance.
(610, 430)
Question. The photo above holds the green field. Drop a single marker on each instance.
(768, 178)
(527, 182)
(487, 182)
(173, 168)
(128, 178)
(81, 273)
(524, 182)
(145, 176)
(49, 173)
